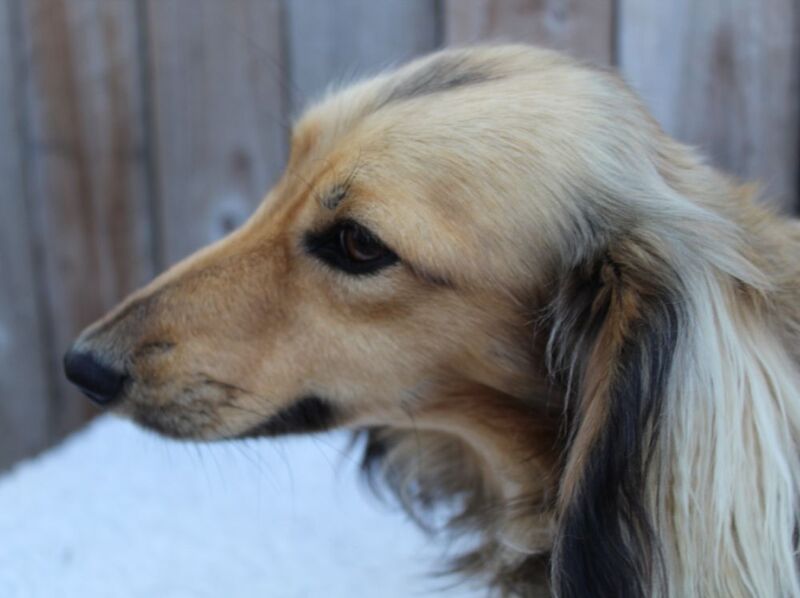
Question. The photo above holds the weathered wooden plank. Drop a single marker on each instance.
(723, 75)
(218, 101)
(331, 42)
(24, 388)
(85, 151)
(584, 28)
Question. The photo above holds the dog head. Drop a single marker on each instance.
(391, 265)
(495, 247)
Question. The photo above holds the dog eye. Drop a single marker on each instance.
(351, 247)
(359, 245)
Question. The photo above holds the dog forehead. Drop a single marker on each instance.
(471, 160)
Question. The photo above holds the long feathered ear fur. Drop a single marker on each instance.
(681, 469)
(622, 332)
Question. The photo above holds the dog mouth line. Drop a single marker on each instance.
(308, 414)
(194, 414)
(304, 416)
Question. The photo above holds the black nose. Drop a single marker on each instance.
(97, 381)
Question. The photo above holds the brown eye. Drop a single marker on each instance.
(350, 247)
(360, 246)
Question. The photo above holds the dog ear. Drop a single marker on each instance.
(615, 322)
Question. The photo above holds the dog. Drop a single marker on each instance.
(541, 313)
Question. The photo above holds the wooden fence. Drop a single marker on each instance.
(135, 131)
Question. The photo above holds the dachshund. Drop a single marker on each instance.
(540, 314)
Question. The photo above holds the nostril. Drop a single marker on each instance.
(101, 383)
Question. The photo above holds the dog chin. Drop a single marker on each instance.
(175, 424)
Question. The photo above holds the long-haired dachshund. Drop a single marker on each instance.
(539, 310)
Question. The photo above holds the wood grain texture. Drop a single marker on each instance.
(334, 42)
(84, 150)
(24, 389)
(723, 75)
(584, 28)
(136, 131)
(218, 95)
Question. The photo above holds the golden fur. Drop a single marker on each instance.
(588, 350)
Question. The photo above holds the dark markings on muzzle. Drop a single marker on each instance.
(310, 414)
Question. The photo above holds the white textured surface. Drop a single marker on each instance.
(117, 512)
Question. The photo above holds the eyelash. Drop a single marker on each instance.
(329, 247)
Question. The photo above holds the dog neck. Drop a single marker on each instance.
(515, 446)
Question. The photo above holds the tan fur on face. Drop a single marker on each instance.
(580, 306)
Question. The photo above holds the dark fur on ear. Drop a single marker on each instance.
(615, 324)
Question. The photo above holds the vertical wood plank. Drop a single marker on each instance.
(24, 388)
(331, 42)
(584, 28)
(84, 146)
(723, 75)
(219, 105)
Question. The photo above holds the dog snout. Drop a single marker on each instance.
(102, 383)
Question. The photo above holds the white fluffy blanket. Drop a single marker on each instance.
(117, 512)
